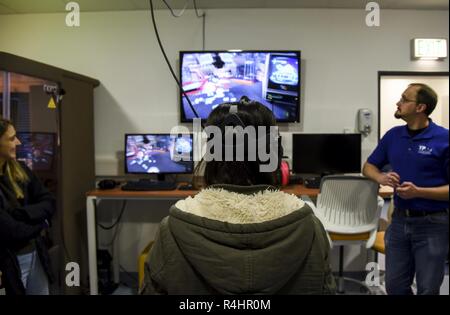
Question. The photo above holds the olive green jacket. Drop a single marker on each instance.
(239, 240)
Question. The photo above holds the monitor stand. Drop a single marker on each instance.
(161, 177)
(152, 184)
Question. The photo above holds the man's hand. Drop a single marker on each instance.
(389, 179)
(407, 190)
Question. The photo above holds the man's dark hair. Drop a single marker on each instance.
(427, 96)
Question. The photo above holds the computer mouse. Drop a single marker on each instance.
(186, 187)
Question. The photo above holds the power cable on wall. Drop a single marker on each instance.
(203, 16)
(117, 220)
(152, 11)
(173, 12)
(57, 97)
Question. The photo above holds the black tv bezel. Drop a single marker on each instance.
(191, 135)
(294, 169)
(183, 118)
(54, 146)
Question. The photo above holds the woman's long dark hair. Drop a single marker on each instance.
(243, 173)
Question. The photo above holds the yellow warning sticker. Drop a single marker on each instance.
(51, 103)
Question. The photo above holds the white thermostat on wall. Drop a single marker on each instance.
(365, 121)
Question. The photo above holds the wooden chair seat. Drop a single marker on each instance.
(378, 246)
(349, 237)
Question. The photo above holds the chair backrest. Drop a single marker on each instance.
(348, 204)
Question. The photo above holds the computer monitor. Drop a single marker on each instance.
(210, 78)
(37, 150)
(158, 154)
(324, 154)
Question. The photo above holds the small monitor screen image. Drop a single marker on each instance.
(326, 153)
(210, 78)
(37, 150)
(158, 154)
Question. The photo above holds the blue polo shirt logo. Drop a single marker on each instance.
(424, 150)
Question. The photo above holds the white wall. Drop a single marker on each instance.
(393, 86)
(341, 58)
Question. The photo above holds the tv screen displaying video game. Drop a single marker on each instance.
(158, 153)
(210, 78)
(37, 150)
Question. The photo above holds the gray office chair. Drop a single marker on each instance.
(349, 208)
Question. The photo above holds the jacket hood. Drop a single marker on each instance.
(241, 204)
(252, 239)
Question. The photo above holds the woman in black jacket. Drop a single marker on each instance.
(26, 208)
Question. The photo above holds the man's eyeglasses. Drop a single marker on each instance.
(405, 100)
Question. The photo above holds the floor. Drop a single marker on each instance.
(128, 284)
(444, 286)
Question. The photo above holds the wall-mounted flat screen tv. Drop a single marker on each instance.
(210, 78)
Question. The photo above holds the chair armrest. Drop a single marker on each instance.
(308, 201)
(372, 238)
(373, 233)
(380, 202)
(329, 240)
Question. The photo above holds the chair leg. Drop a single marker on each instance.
(341, 281)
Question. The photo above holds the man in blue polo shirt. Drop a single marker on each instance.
(416, 242)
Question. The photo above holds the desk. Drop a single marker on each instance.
(117, 194)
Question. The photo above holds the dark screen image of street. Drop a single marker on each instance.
(158, 154)
(37, 150)
(210, 79)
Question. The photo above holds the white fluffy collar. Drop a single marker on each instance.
(226, 206)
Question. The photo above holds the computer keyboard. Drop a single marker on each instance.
(146, 185)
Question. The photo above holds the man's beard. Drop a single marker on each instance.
(397, 115)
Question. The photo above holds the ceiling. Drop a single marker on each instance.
(54, 6)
